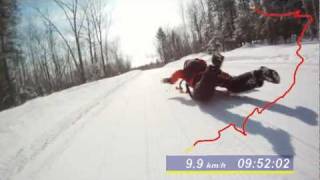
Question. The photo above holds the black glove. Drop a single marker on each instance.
(214, 70)
(166, 80)
(217, 60)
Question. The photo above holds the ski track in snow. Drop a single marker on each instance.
(26, 154)
(126, 131)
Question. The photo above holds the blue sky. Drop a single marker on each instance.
(134, 23)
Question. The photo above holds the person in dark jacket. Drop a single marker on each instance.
(203, 78)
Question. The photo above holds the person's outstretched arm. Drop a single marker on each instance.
(174, 77)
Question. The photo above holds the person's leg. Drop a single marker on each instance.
(205, 87)
(252, 80)
(245, 82)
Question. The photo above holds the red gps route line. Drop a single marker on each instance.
(242, 130)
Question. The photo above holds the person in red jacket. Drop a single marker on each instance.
(203, 78)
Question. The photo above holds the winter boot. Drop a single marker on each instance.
(270, 75)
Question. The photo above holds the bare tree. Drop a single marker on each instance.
(197, 17)
(76, 21)
(66, 42)
(90, 38)
(100, 22)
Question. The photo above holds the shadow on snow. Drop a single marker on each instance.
(280, 139)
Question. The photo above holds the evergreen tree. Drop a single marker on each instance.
(161, 37)
(229, 14)
(8, 51)
(281, 28)
(223, 15)
(245, 22)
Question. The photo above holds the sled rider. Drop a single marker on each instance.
(203, 78)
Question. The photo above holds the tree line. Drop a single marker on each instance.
(231, 24)
(42, 55)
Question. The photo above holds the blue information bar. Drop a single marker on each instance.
(229, 163)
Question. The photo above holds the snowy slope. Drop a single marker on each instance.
(123, 127)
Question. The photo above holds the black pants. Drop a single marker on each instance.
(205, 87)
(245, 82)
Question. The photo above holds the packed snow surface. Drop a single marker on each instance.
(123, 127)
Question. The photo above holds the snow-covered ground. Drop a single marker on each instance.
(123, 127)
